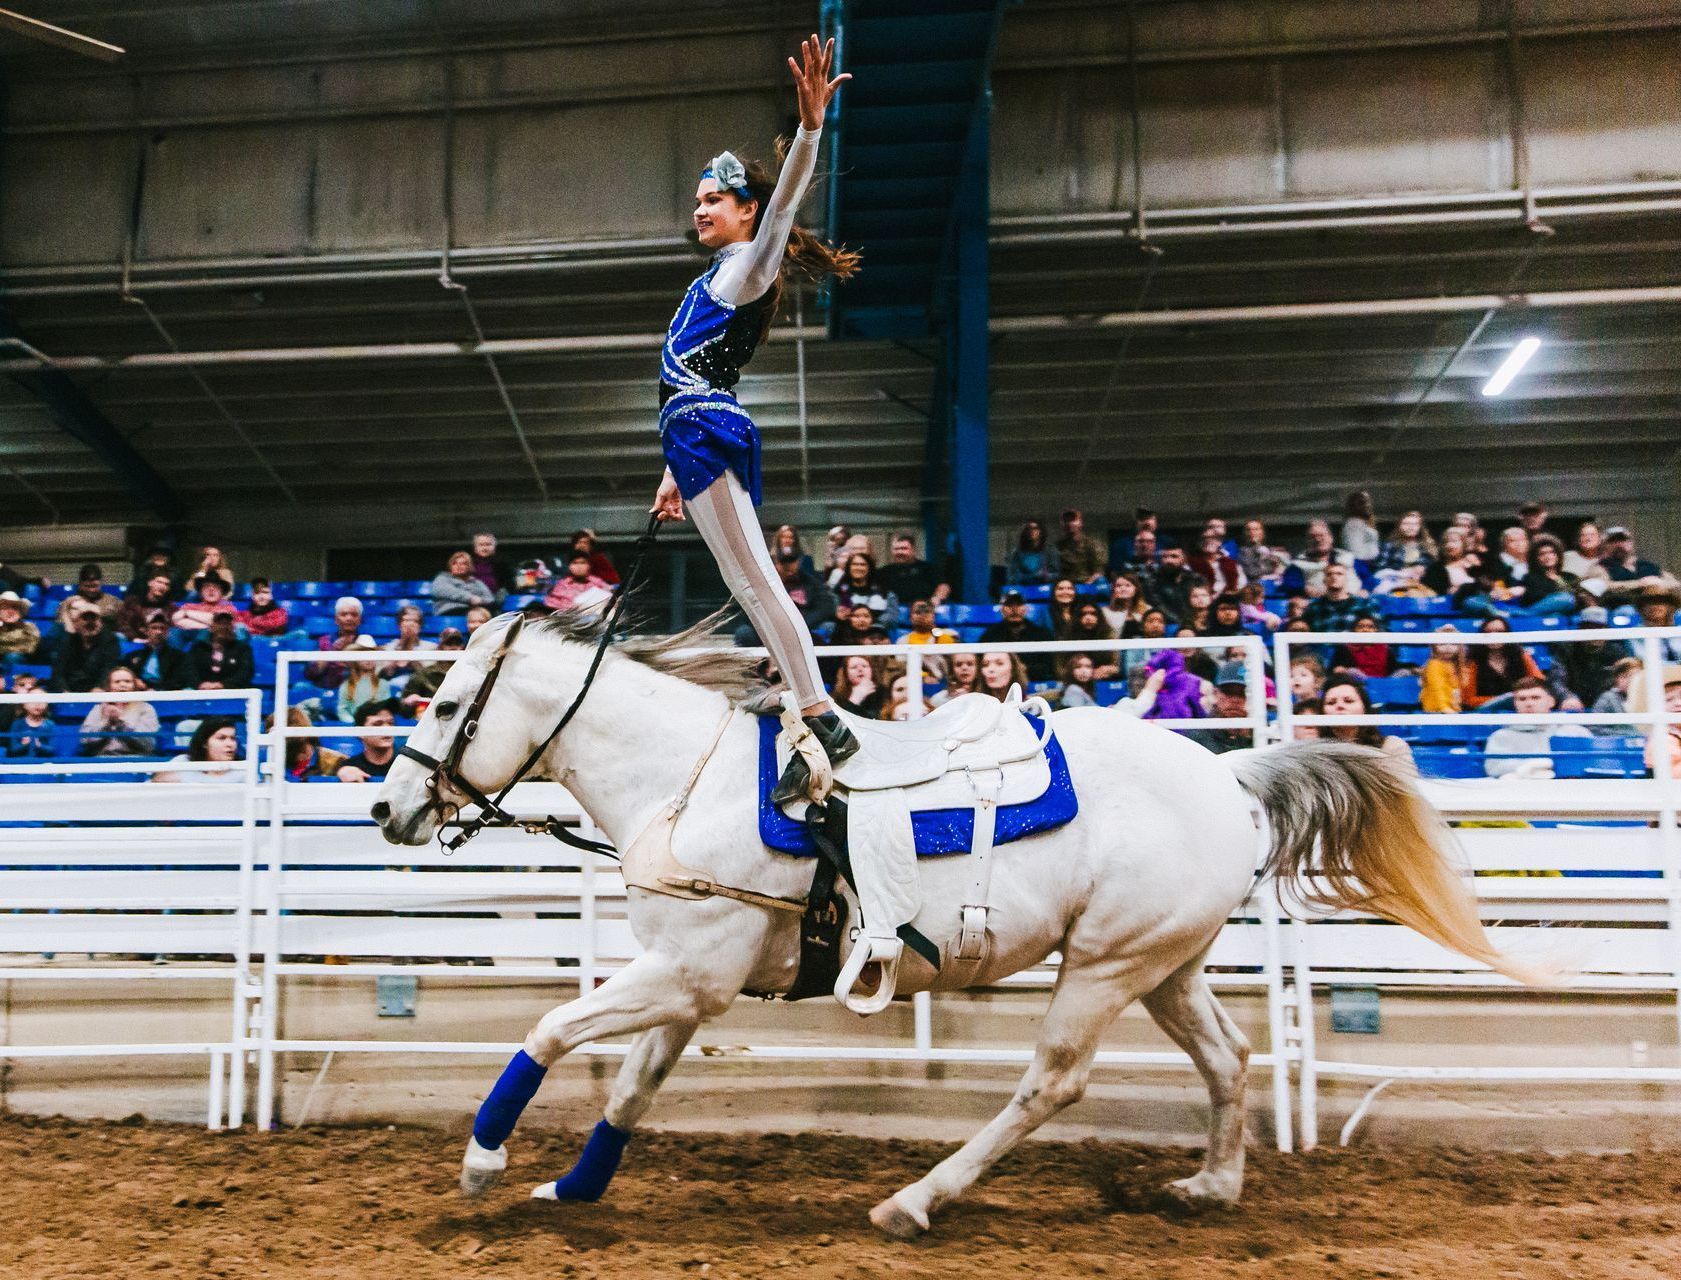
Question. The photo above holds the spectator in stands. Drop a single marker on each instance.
(1226, 617)
(410, 620)
(905, 577)
(90, 590)
(1584, 557)
(1406, 555)
(963, 674)
(1014, 627)
(1657, 609)
(1346, 695)
(220, 659)
(1169, 584)
(1494, 669)
(1231, 702)
(87, 652)
(1629, 574)
(1091, 626)
(30, 732)
(1532, 516)
(1254, 556)
(159, 664)
(195, 616)
(22, 682)
(786, 539)
(1305, 575)
(264, 615)
(1306, 732)
(1338, 607)
(1142, 565)
(362, 681)
(1525, 750)
(1082, 555)
(856, 545)
(1034, 560)
(306, 758)
(489, 570)
(458, 588)
(1307, 677)
(834, 544)
(1221, 571)
(216, 740)
(1126, 608)
(19, 637)
(805, 587)
(859, 585)
(1547, 589)
(852, 625)
(1359, 527)
(578, 588)
(601, 564)
(120, 728)
(1199, 607)
(475, 618)
(1000, 672)
(1372, 661)
(923, 630)
(1476, 540)
(1511, 566)
(1125, 550)
(155, 595)
(1443, 678)
(347, 623)
(1079, 687)
(1613, 698)
(423, 684)
(213, 564)
(1064, 595)
(1252, 605)
(858, 687)
(373, 761)
(159, 560)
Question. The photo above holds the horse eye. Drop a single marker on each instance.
(445, 710)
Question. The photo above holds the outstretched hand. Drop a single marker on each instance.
(811, 80)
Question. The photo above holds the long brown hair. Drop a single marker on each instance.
(808, 257)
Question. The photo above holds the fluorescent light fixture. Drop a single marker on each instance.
(1511, 366)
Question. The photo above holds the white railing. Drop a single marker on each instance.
(1610, 957)
(415, 914)
(69, 888)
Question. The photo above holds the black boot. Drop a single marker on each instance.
(838, 744)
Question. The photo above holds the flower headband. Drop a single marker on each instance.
(729, 173)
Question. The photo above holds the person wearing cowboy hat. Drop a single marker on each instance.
(18, 635)
(1657, 603)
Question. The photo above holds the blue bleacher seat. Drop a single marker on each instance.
(958, 615)
(1109, 692)
(1394, 691)
(1033, 590)
(384, 628)
(1415, 606)
(1448, 762)
(1598, 757)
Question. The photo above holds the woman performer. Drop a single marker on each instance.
(711, 445)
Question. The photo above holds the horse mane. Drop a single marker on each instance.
(700, 654)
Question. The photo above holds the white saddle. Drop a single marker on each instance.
(974, 752)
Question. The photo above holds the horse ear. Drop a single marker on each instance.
(513, 631)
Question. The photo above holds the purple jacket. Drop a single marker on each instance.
(1180, 697)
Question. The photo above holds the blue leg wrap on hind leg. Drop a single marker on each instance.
(501, 1110)
(596, 1167)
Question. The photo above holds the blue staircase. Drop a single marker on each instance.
(919, 69)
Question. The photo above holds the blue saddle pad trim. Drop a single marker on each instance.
(938, 831)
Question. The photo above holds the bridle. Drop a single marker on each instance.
(446, 769)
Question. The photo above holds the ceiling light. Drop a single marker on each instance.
(1511, 366)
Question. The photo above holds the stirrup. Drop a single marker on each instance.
(819, 743)
(884, 952)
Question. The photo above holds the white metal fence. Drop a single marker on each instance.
(293, 876)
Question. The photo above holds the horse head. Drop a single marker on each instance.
(451, 759)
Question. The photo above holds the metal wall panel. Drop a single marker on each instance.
(1605, 111)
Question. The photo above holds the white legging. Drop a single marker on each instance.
(729, 525)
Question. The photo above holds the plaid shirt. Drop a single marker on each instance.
(1325, 614)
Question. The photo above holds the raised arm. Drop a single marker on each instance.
(749, 272)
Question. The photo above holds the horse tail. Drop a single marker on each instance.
(1350, 831)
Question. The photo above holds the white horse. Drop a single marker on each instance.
(1132, 892)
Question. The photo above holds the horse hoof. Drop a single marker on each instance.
(1203, 1190)
(544, 1192)
(892, 1219)
(480, 1169)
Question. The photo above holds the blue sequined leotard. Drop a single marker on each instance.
(703, 428)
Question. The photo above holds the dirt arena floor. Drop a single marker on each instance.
(130, 1199)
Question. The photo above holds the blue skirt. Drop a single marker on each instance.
(706, 433)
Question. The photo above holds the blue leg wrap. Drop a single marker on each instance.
(501, 1110)
(596, 1167)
